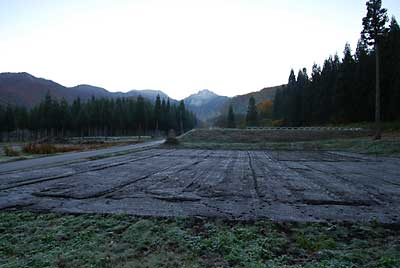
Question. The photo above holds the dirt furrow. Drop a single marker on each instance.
(78, 172)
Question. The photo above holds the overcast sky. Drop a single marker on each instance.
(180, 47)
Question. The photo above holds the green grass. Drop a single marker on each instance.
(53, 240)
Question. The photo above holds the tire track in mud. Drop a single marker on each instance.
(289, 186)
(373, 191)
(129, 182)
(183, 190)
(275, 175)
(120, 154)
(41, 172)
(200, 175)
(254, 161)
(184, 167)
(254, 177)
(69, 174)
(213, 203)
(333, 191)
(205, 174)
(337, 194)
(209, 193)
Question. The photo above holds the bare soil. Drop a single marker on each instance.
(302, 186)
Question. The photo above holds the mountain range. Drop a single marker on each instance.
(27, 90)
(24, 89)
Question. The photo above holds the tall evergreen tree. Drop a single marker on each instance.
(292, 79)
(9, 120)
(157, 112)
(363, 80)
(141, 114)
(181, 116)
(374, 28)
(391, 72)
(291, 103)
(231, 118)
(164, 116)
(252, 114)
(2, 122)
(344, 94)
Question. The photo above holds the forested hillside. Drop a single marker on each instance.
(343, 90)
(23, 89)
(240, 102)
(121, 116)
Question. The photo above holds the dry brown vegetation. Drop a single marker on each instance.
(9, 151)
(33, 148)
(47, 148)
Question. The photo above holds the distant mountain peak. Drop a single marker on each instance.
(204, 103)
(206, 92)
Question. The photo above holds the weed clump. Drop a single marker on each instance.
(34, 148)
(171, 139)
(9, 151)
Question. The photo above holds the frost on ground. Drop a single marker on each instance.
(241, 185)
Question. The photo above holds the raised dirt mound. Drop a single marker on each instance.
(270, 135)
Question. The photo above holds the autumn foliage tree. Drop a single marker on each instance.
(265, 109)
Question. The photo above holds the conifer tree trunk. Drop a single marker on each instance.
(181, 122)
(378, 134)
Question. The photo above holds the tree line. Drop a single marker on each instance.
(95, 117)
(348, 89)
(257, 115)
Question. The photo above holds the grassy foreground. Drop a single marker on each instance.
(53, 240)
